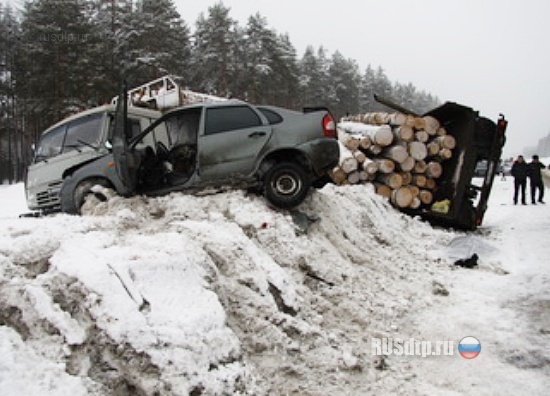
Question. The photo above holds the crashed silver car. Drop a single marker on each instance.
(278, 151)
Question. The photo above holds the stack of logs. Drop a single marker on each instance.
(400, 154)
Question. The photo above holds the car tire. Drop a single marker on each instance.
(286, 184)
(84, 189)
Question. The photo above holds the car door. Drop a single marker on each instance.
(232, 138)
(126, 160)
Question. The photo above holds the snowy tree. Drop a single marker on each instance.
(405, 95)
(159, 42)
(285, 64)
(366, 94)
(258, 42)
(270, 64)
(10, 168)
(313, 78)
(7, 27)
(309, 77)
(325, 88)
(425, 102)
(55, 57)
(215, 47)
(346, 81)
(382, 87)
(137, 42)
(112, 23)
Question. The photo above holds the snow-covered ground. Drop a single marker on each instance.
(219, 295)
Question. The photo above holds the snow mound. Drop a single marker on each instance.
(211, 295)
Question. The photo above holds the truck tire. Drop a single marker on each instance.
(84, 190)
(286, 184)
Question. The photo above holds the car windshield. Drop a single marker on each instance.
(50, 144)
(74, 135)
(83, 132)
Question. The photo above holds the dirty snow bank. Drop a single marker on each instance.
(212, 295)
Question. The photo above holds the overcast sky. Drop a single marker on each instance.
(491, 55)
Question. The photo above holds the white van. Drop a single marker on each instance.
(74, 142)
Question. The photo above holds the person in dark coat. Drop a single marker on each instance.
(535, 178)
(519, 172)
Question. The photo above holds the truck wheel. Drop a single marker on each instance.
(83, 194)
(286, 184)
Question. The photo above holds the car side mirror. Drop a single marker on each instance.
(108, 145)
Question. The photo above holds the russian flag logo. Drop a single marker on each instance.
(469, 347)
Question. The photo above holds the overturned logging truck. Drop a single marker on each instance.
(425, 164)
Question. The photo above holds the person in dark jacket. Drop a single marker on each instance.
(535, 179)
(519, 171)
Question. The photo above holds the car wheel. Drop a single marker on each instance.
(85, 198)
(286, 184)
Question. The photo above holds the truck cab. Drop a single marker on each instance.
(71, 143)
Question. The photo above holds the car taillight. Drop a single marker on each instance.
(329, 126)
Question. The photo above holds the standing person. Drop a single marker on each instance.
(519, 172)
(535, 177)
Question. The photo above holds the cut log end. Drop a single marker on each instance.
(383, 190)
(392, 180)
(434, 170)
(396, 153)
(418, 150)
(402, 197)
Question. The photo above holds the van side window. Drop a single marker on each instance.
(135, 127)
(223, 119)
(84, 132)
(50, 144)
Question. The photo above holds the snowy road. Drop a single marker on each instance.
(505, 304)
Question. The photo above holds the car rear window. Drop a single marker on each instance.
(223, 119)
(272, 116)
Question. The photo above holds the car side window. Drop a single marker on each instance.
(272, 117)
(223, 119)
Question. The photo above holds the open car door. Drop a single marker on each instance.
(125, 161)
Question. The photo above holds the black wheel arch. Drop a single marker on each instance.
(284, 155)
(72, 198)
(70, 171)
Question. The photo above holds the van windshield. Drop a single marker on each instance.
(83, 132)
